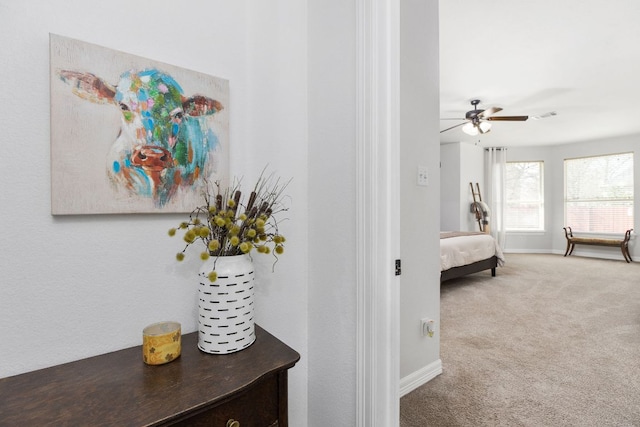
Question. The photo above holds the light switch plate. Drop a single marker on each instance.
(423, 176)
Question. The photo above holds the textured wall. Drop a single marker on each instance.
(77, 286)
(332, 207)
(420, 209)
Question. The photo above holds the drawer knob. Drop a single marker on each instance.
(233, 423)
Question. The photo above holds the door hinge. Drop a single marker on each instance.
(398, 269)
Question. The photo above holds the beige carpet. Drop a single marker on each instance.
(549, 341)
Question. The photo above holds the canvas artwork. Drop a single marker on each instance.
(132, 135)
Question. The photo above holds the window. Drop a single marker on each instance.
(598, 193)
(524, 196)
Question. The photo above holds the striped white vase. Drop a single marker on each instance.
(226, 306)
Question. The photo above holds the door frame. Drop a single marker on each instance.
(378, 211)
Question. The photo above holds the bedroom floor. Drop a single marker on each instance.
(548, 341)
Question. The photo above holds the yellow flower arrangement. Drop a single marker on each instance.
(226, 226)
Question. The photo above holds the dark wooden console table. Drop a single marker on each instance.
(117, 389)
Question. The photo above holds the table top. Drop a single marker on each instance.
(118, 388)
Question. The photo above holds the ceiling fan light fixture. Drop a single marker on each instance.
(474, 129)
(470, 129)
(485, 127)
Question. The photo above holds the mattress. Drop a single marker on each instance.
(461, 248)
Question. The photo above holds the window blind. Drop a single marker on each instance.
(599, 193)
(524, 196)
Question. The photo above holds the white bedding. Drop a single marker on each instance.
(464, 250)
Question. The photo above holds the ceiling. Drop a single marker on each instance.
(578, 58)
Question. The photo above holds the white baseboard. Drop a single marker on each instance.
(420, 377)
(585, 252)
(528, 251)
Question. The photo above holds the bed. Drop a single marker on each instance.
(463, 253)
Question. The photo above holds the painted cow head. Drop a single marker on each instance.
(164, 141)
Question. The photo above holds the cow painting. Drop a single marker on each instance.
(164, 142)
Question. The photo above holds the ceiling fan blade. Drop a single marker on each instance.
(453, 127)
(489, 112)
(545, 115)
(508, 118)
(451, 118)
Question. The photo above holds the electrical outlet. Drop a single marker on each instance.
(428, 327)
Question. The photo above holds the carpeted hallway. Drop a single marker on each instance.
(550, 341)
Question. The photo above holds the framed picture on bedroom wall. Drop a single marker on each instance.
(132, 135)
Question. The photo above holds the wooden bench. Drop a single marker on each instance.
(623, 244)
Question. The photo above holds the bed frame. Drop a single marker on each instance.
(476, 267)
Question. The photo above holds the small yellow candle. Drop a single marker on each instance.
(161, 343)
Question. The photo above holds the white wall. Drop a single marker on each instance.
(332, 213)
(451, 189)
(78, 286)
(552, 239)
(419, 222)
(461, 164)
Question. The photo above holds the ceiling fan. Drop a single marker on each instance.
(477, 121)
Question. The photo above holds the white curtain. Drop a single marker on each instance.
(495, 180)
